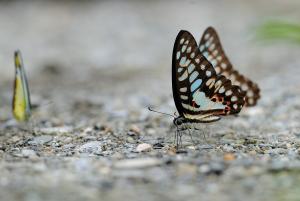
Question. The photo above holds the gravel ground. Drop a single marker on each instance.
(93, 70)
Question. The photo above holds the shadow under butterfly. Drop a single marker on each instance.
(205, 85)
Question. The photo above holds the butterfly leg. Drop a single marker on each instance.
(191, 136)
(176, 137)
(180, 138)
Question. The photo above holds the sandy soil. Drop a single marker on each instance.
(93, 70)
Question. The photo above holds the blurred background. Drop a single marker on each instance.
(100, 45)
(103, 62)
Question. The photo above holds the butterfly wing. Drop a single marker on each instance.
(211, 48)
(21, 96)
(199, 93)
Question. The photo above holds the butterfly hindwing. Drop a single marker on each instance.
(199, 93)
(21, 96)
(210, 46)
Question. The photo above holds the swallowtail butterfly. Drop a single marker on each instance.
(205, 86)
(21, 97)
(210, 46)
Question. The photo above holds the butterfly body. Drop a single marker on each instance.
(203, 91)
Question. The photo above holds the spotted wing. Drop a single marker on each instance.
(21, 97)
(199, 93)
(211, 48)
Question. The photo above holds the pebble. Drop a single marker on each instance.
(55, 130)
(40, 140)
(131, 140)
(28, 153)
(144, 147)
(88, 130)
(206, 146)
(217, 168)
(204, 169)
(135, 129)
(91, 147)
(186, 169)
(137, 163)
(229, 157)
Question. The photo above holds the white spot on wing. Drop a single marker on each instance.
(210, 82)
(182, 61)
(178, 55)
(208, 73)
(193, 76)
(183, 76)
(207, 43)
(223, 65)
(181, 41)
(202, 47)
(192, 55)
(183, 97)
(228, 93)
(189, 49)
(191, 68)
(215, 52)
(209, 57)
(233, 98)
(212, 47)
(206, 36)
(183, 89)
(214, 62)
(222, 90)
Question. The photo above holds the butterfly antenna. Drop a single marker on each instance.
(150, 109)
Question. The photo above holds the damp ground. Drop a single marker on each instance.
(91, 136)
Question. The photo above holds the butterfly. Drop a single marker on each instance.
(21, 104)
(210, 46)
(205, 86)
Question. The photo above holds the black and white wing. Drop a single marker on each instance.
(210, 46)
(199, 93)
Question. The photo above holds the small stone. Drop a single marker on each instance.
(186, 169)
(91, 147)
(191, 147)
(137, 163)
(205, 146)
(40, 140)
(204, 169)
(131, 140)
(217, 168)
(67, 140)
(229, 157)
(28, 153)
(15, 139)
(288, 146)
(135, 129)
(144, 147)
(88, 130)
(150, 131)
(64, 129)
(252, 152)
(171, 150)
(228, 148)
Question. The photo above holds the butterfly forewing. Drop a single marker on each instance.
(197, 90)
(210, 46)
